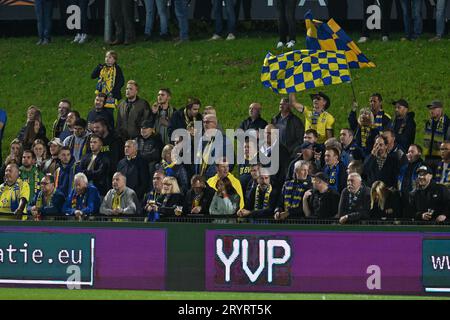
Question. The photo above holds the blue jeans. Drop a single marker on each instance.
(440, 17)
(44, 11)
(181, 11)
(161, 5)
(231, 17)
(412, 9)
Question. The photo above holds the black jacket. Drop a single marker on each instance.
(136, 171)
(392, 207)
(130, 116)
(388, 173)
(150, 148)
(178, 121)
(435, 197)
(248, 123)
(205, 201)
(324, 205)
(118, 83)
(261, 213)
(359, 210)
(295, 130)
(168, 202)
(405, 130)
(99, 174)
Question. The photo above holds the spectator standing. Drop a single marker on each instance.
(110, 79)
(437, 129)
(231, 19)
(122, 13)
(286, 23)
(404, 125)
(44, 15)
(132, 111)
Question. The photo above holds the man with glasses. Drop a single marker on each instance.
(430, 201)
(48, 201)
(442, 173)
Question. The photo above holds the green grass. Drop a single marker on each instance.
(64, 294)
(225, 74)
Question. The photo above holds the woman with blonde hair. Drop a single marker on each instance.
(170, 203)
(39, 148)
(364, 129)
(384, 202)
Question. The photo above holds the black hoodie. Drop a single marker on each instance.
(405, 130)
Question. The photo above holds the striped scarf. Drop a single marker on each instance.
(105, 84)
(432, 149)
(441, 176)
(168, 168)
(265, 203)
(293, 192)
(14, 195)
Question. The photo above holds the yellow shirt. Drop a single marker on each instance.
(12, 195)
(234, 182)
(323, 123)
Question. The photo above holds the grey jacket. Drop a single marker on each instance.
(129, 202)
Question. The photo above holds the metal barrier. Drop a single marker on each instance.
(221, 219)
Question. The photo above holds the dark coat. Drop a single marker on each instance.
(205, 201)
(129, 121)
(360, 208)
(435, 197)
(99, 174)
(324, 205)
(256, 124)
(168, 202)
(392, 207)
(388, 173)
(136, 171)
(405, 130)
(295, 129)
(178, 121)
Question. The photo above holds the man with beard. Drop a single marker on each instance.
(29, 173)
(162, 112)
(184, 117)
(430, 201)
(408, 175)
(98, 111)
(404, 125)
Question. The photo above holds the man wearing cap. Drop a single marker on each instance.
(321, 202)
(291, 128)
(381, 118)
(52, 164)
(317, 118)
(254, 121)
(48, 201)
(306, 154)
(404, 125)
(78, 141)
(430, 201)
(150, 145)
(442, 173)
(437, 129)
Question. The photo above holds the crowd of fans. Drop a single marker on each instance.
(124, 14)
(130, 164)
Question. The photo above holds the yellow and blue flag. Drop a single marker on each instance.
(304, 69)
(330, 36)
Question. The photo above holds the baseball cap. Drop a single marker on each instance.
(147, 124)
(56, 141)
(425, 169)
(435, 104)
(306, 145)
(322, 95)
(401, 102)
(322, 176)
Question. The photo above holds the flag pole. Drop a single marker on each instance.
(351, 80)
